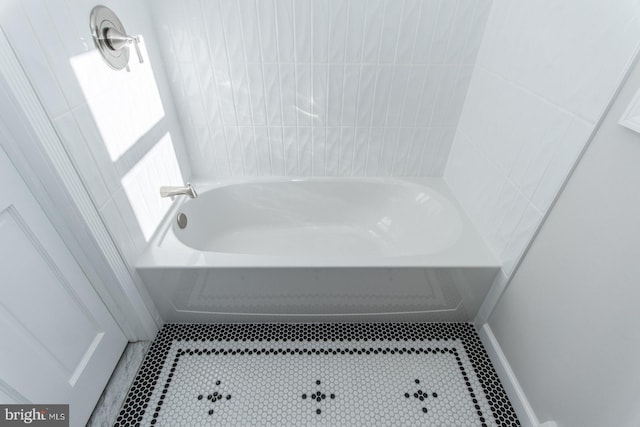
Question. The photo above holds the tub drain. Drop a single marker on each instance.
(182, 220)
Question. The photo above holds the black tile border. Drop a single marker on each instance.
(138, 399)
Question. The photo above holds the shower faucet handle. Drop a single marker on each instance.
(136, 44)
(111, 38)
(117, 40)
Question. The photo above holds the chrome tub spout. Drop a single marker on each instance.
(188, 190)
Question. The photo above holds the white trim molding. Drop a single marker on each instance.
(525, 412)
(631, 117)
(40, 157)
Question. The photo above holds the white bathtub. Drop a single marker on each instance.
(329, 248)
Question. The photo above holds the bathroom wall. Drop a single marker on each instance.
(544, 74)
(568, 322)
(319, 87)
(119, 128)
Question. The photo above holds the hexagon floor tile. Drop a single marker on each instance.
(387, 374)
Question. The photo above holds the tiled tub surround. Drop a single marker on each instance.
(545, 72)
(120, 129)
(317, 374)
(319, 87)
(307, 248)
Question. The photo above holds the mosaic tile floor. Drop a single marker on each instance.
(400, 374)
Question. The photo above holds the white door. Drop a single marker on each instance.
(58, 342)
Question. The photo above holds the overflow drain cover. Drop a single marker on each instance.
(182, 220)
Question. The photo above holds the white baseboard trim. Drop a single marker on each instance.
(507, 377)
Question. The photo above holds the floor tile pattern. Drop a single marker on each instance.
(317, 374)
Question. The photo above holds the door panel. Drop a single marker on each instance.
(24, 300)
(60, 342)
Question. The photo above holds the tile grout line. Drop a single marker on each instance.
(391, 86)
(295, 86)
(264, 88)
(251, 107)
(355, 119)
(282, 119)
(375, 93)
(344, 73)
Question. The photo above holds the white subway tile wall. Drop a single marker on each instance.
(334, 87)
(109, 121)
(544, 75)
(319, 87)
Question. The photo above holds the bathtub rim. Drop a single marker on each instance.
(165, 250)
